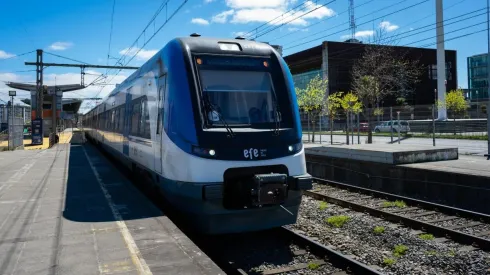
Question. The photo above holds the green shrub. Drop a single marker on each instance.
(399, 204)
(427, 237)
(313, 266)
(379, 229)
(323, 205)
(400, 250)
(388, 261)
(338, 221)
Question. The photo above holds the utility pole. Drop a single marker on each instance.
(37, 97)
(441, 61)
(488, 79)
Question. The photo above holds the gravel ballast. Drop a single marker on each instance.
(357, 237)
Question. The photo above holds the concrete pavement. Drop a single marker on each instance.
(466, 147)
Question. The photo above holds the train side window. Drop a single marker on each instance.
(146, 119)
(135, 118)
(122, 114)
(160, 102)
(142, 121)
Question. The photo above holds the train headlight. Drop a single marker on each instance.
(294, 148)
(203, 152)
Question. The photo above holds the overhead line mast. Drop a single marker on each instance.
(352, 19)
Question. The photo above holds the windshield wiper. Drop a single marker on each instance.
(212, 108)
(276, 113)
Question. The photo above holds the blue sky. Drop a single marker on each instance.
(80, 29)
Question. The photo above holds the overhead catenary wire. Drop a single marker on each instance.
(424, 46)
(297, 17)
(326, 19)
(155, 32)
(369, 21)
(17, 55)
(413, 31)
(272, 20)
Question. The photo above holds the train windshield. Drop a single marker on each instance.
(239, 97)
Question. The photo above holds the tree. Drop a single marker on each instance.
(380, 72)
(334, 104)
(455, 103)
(312, 99)
(351, 105)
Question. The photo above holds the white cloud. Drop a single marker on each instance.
(5, 55)
(387, 26)
(359, 34)
(297, 29)
(199, 21)
(263, 15)
(243, 4)
(222, 17)
(141, 55)
(275, 11)
(60, 46)
(235, 34)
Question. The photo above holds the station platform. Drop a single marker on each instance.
(68, 210)
(386, 153)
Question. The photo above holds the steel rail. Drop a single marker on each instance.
(457, 236)
(424, 204)
(336, 258)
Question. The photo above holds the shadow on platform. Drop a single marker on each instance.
(92, 197)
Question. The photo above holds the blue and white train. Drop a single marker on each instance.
(215, 123)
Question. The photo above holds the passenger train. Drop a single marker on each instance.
(215, 123)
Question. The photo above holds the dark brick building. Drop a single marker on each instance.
(334, 60)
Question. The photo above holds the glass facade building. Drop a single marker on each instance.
(478, 77)
(301, 80)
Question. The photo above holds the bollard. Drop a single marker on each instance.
(433, 126)
(358, 126)
(399, 126)
(391, 123)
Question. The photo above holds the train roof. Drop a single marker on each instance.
(212, 45)
(199, 44)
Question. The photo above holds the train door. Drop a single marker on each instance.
(162, 83)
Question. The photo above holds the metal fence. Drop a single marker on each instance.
(415, 122)
(12, 121)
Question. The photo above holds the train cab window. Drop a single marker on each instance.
(239, 97)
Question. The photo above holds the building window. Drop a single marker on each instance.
(432, 71)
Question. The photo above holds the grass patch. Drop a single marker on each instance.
(452, 253)
(399, 204)
(313, 266)
(389, 261)
(379, 229)
(431, 253)
(400, 250)
(323, 205)
(338, 221)
(426, 237)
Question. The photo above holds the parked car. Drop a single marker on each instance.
(363, 127)
(385, 127)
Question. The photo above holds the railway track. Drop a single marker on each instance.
(462, 226)
(279, 251)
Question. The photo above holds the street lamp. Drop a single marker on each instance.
(11, 126)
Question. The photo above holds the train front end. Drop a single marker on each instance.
(244, 160)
